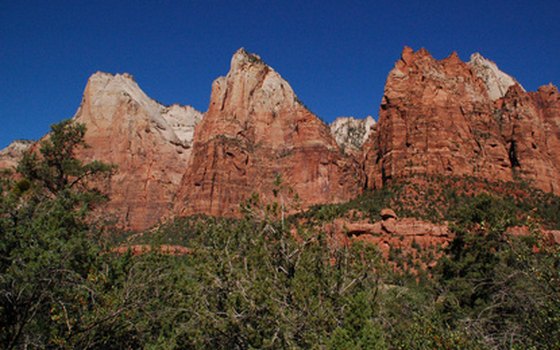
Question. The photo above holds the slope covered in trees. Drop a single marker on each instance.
(266, 280)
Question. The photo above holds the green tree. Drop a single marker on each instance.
(500, 289)
(47, 258)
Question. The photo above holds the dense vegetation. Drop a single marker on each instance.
(264, 281)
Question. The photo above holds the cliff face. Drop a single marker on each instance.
(11, 155)
(150, 144)
(437, 117)
(351, 133)
(440, 117)
(530, 125)
(255, 131)
(496, 81)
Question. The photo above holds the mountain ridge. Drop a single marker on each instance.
(437, 117)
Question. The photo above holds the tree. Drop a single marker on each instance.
(46, 255)
(56, 168)
(498, 288)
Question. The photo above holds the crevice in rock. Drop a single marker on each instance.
(512, 153)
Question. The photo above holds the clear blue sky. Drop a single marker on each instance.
(335, 54)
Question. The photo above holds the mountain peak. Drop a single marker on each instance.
(107, 95)
(101, 83)
(242, 58)
(496, 81)
(453, 58)
(251, 87)
(408, 54)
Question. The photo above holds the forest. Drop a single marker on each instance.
(268, 280)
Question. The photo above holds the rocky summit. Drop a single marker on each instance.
(448, 117)
(149, 143)
(437, 118)
(256, 134)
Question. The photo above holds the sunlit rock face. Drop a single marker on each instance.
(437, 117)
(447, 117)
(351, 133)
(149, 143)
(530, 125)
(255, 131)
(496, 81)
(11, 155)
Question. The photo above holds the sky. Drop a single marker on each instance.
(335, 54)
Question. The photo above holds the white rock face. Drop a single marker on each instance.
(255, 86)
(149, 143)
(182, 120)
(16, 148)
(350, 132)
(107, 91)
(496, 81)
(10, 156)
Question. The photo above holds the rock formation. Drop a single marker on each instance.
(10, 156)
(496, 81)
(150, 144)
(255, 131)
(352, 133)
(409, 236)
(437, 117)
(530, 124)
(440, 118)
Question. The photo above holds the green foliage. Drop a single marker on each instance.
(253, 285)
(46, 256)
(269, 281)
(369, 203)
(496, 287)
(56, 168)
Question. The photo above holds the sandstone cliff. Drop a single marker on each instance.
(437, 117)
(530, 125)
(440, 117)
(150, 144)
(255, 131)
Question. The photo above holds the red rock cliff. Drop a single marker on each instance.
(150, 144)
(531, 129)
(254, 130)
(439, 117)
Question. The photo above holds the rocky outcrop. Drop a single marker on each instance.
(530, 125)
(11, 155)
(412, 237)
(497, 82)
(436, 118)
(255, 133)
(439, 117)
(352, 133)
(150, 144)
